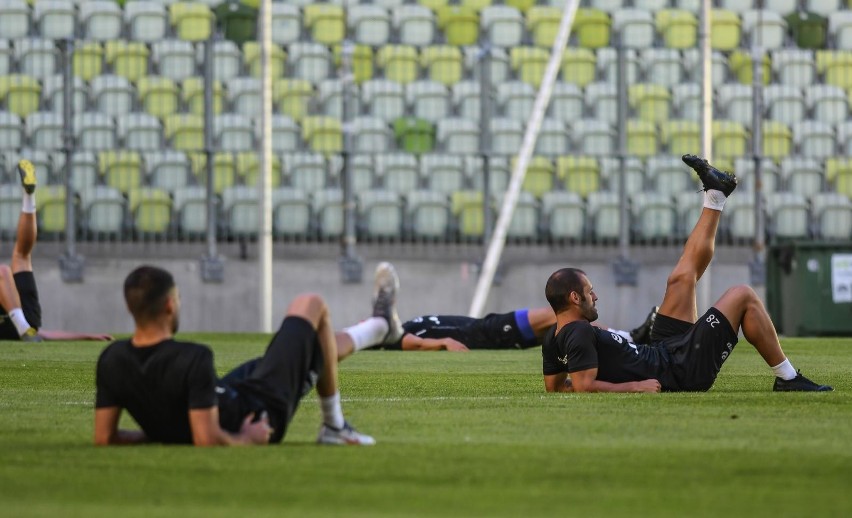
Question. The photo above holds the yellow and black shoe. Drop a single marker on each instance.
(31, 335)
(28, 175)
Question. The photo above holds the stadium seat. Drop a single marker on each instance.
(592, 28)
(578, 66)
(21, 94)
(740, 214)
(322, 134)
(192, 94)
(121, 170)
(244, 95)
(823, 7)
(415, 24)
(293, 97)
(37, 57)
(140, 131)
(399, 63)
(459, 23)
(87, 60)
(808, 29)
(103, 210)
(529, 64)
(285, 23)
(157, 95)
(398, 172)
(306, 171)
(291, 212)
(539, 177)
(466, 99)
(838, 174)
(330, 98)
(650, 101)
(832, 215)
(443, 173)
(146, 20)
(602, 98)
(442, 64)
(428, 100)
(52, 93)
(239, 206)
(686, 101)
(233, 132)
(328, 206)
(235, 20)
(827, 103)
(593, 137)
(503, 25)
(636, 27)
(427, 214)
(192, 21)
(380, 214)
(84, 170)
(803, 175)
(11, 131)
(166, 169)
(95, 131)
(564, 215)
(719, 65)
(579, 174)
(10, 208)
(654, 215)
(458, 135)
(5, 57)
(190, 210)
(777, 140)
(150, 209)
(112, 95)
(678, 27)
(414, 135)
(516, 99)
(815, 139)
(370, 24)
(641, 138)
(495, 63)
(844, 136)
(835, 67)
(669, 175)
(506, 136)
(770, 178)
(14, 19)
(224, 170)
(248, 167)
(734, 102)
(361, 168)
(794, 67)
(383, 99)
(310, 60)
(725, 30)
(840, 29)
(467, 208)
(498, 173)
(607, 64)
(251, 57)
(325, 22)
(51, 208)
(370, 135)
(680, 136)
(362, 61)
(603, 208)
(175, 59)
(525, 220)
(740, 64)
(128, 59)
(608, 6)
(784, 103)
(44, 130)
(765, 28)
(566, 102)
(542, 22)
(552, 138)
(631, 168)
(787, 214)
(55, 19)
(184, 131)
(100, 20)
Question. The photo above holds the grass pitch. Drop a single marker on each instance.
(459, 434)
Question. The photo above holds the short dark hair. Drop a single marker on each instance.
(146, 290)
(560, 284)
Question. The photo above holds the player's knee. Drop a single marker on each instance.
(744, 293)
(681, 278)
(309, 306)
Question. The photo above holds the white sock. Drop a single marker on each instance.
(332, 413)
(714, 199)
(28, 203)
(784, 370)
(367, 333)
(20, 321)
(621, 333)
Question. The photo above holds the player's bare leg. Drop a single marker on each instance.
(27, 227)
(679, 300)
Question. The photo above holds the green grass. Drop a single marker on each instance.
(458, 435)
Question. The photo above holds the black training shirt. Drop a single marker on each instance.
(580, 346)
(158, 385)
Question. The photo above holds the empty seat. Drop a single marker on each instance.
(175, 59)
(815, 139)
(770, 177)
(100, 20)
(248, 167)
(458, 135)
(150, 209)
(361, 61)
(654, 215)
(14, 19)
(803, 175)
(680, 136)
(103, 210)
(53, 94)
(496, 63)
(784, 103)
(840, 29)
(835, 67)
(293, 97)
(593, 137)
(51, 208)
(777, 139)
(192, 94)
(592, 28)
(325, 23)
(306, 171)
(794, 67)
(466, 99)
(543, 23)
(603, 210)
(383, 99)
(539, 176)
(787, 214)
(552, 138)
(244, 95)
(740, 64)
(735, 102)
(190, 210)
(765, 28)
(823, 7)
(233, 132)
(328, 206)
(94, 131)
(427, 214)
(414, 135)
(311, 61)
(330, 97)
(729, 138)
(662, 66)
(631, 169)
(678, 27)
(467, 208)
(158, 95)
(428, 99)
(686, 101)
(670, 175)
(36, 57)
(564, 214)
(443, 173)
(579, 174)
(838, 173)
(398, 172)
(566, 102)
(832, 215)
(380, 213)
(146, 20)
(828, 103)
(399, 62)
(239, 204)
(636, 27)
(718, 65)
(442, 63)
(651, 102)
(525, 219)
(323, 134)
(192, 21)
(286, 134)
(121, 170)
(459, 23)
(844, 135)
(506, 136)
(128, 59)
(21, 94)
(185, 132)
(529, 64)
(11, 131)
(291, 212)
(370, 135)
(641, 138)
(112, 95)
(285, 23)
(607, 64)
(578, 66)
(503, 25)
(725, 27)
(55, 19)
(167, 169)
(741, 218)
(44, 129)
(516, 99)
(370, 24)
(140, 131)
(87, 61)
(415, 24)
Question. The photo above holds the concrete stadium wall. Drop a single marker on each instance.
(429, 286)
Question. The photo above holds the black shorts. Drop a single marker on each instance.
(27, 290)
(493, 331)
(275, 382)
(697, 351)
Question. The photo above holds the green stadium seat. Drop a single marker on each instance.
(725, 30)
(539, 176)
(251, 56)
(414, 135)
(192, 94)
(248, 168)
(578, 66)
(838, 174)
(51, 210)
(651, 102)
(529, 64)
(443, 64)
(729, 139)
(678, 27)
(88, 60)
(835, 67)
(680, 136)
(592, 28)
(641, 138)
(128, 59)
(740, 64)
(237, 21)
(399, 62)
(459, 23)
(150, 209)
(184, 131)
(807, 29)
(323, 134)
(777, 140)
(192, 21)
(325, 22)
(293, 97)
(579, 174)
(121, 170)
(158, 95)
(362, 61)
(543, 23)
(467, 207)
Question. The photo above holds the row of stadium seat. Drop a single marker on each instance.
(426, 214)
(372, 24)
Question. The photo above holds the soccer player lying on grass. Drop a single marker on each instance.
(686, 352)
(20, 310)
(519, 329)
(172, 391)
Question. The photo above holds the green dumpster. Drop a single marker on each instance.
(809, 288)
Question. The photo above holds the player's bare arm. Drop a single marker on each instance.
(59, 336)
(415, 343)
(107, 432)
(586, 381)
(557, 382)
(207, 432)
